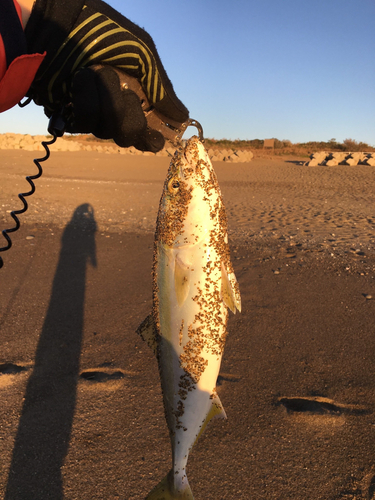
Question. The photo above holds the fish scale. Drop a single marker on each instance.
(193, 285)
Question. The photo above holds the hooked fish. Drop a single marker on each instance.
(193, 284)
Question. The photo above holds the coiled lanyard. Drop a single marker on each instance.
(56, 128)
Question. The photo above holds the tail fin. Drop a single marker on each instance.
(165, 490)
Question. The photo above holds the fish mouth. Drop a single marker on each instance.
(191, 157)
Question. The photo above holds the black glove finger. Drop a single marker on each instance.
(151, 140)
(121, 112)
(86, 103)
(122, 117)
(102, 108)
(131, 121)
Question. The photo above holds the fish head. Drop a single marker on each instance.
(191, 205)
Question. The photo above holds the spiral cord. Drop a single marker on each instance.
(21, 196)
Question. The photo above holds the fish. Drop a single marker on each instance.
(193, 286)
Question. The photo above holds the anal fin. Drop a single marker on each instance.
(216, 411)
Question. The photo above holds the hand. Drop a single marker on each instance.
(78, 35)
(100, 106)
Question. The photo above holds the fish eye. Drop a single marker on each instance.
(173, 185)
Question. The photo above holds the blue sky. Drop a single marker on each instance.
(289, 69)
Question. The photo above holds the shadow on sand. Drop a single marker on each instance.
(46, 420)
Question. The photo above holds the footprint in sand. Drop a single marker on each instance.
(104, 378)
(9, 372)
(368, 485)
(365, 487)
(226, 377)
(319, 406)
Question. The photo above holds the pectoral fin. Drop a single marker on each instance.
(147, 332)
(230, 291)
(181, 280)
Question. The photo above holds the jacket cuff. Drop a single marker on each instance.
(49, 24)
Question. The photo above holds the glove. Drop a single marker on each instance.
(78, 35)
(102, 108)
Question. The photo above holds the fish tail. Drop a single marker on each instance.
(166, 490)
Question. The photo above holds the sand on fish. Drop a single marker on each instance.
(81, 413)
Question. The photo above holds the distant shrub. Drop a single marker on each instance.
(235, 144)
(352, 145)
(333, 145)
(284, 146)
(279, 144)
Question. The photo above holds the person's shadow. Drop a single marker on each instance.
(45, 424)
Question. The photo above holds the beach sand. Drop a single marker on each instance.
(81, 414)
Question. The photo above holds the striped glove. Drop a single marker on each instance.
(80, 34)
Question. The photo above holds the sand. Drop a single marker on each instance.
(81, 414)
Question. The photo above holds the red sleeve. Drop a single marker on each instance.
(19, 10)
(17, 67)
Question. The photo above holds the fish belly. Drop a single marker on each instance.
(192, 334)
